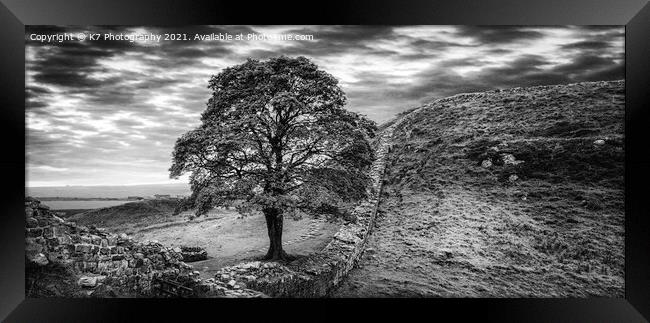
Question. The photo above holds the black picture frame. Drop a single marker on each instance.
(634, 14)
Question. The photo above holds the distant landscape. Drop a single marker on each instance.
(101, 192)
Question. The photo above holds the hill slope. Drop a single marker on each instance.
(515, 192)
(128, 214)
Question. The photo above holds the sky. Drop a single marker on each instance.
(108, 111)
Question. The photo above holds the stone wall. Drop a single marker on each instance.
(318, 274)
(95, 258)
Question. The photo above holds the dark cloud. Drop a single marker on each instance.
(498, 34)
(71, 63)
(587, 44)
(36, 96)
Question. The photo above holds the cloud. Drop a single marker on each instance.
(498, 34)
(108, 112)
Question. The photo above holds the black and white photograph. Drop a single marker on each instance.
(338, 161)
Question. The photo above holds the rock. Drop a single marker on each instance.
(254, 264)
(509, 159)
(32, 223)
(599, 142)
(90, 281)
(191, 254)
(486, 163)
(39, 259)
(347, 236)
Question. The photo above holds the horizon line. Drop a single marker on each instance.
(97, 185)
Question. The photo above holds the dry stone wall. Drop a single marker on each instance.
(318, 274)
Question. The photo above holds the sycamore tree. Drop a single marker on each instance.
(275, 138)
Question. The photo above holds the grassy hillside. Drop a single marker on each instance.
(129, 214)
(515, 192)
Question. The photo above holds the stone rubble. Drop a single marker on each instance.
(100, 258)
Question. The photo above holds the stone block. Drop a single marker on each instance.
(38, 259)
(34, 232)
(90, 281)
(82, 247)
(90, 266)
(94, 249)
(31, 222)
(64, 239)
(53, 242)
(31, 244)
(43, 221)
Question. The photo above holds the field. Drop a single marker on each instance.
(512, 193)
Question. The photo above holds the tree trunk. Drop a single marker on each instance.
(274, 221)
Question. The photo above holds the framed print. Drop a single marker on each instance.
(382, 159)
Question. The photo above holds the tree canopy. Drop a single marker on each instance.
(275, 135)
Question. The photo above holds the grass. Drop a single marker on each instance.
(549, 202)
(121, 217)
